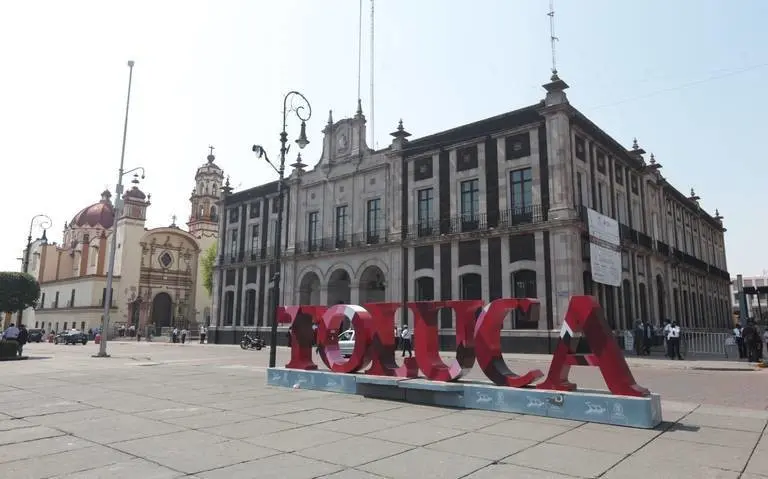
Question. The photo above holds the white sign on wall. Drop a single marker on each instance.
(604, 252)
(606, 265)
(603, 228)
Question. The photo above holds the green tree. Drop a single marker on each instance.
(18, 291)
(209, 261)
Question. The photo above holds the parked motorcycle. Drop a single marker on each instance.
(251, 343)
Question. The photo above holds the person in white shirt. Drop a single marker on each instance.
(739, 341)
(405, 335)
(673, 341)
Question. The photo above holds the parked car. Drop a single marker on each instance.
(71, 337)
(35, 335)
(347, 342)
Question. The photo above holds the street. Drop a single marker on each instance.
(160, 410)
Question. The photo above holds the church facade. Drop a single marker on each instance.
(158, 277)
(495, 208)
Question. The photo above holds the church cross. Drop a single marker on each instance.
(173, 219)
(211, 148)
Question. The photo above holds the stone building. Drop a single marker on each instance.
(157, 275)
(495, 208)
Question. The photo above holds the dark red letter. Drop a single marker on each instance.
(426, 338)
(488, 342)
(586, 316)
(328, 338)
(301, 319)
(382, 347)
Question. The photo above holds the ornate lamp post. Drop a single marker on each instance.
(44, 222)
(303, 111)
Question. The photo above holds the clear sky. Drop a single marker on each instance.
(684, 77)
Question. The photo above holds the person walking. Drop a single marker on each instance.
(405, 336)
(673, 341)
(751, 341)
(737, 336)
(22, 338)
(183, 335)
(11, 333)
(639, 337)
(203, 332)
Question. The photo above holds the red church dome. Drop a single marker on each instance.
(98, 214)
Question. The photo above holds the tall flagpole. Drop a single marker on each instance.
(359, 49)
(373, 130)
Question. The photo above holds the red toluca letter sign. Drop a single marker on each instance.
(478, 338)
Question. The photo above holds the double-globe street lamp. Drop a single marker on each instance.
(303, 111)
(117, 213)
(44, 223)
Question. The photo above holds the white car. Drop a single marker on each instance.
(347, 342)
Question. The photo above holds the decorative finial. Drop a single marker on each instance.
(400, 132)
(173, 221)
(635, 146)
(359, 107)
(693, 193)
(717, 215)
(210, 154)
(653, 159)
(227, 182)
(400, 125)
(330, 117)
(298, 165)
(135, 180)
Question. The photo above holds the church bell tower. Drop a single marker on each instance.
(204, 217)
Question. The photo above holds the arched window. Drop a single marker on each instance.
(250, 308)
(524, 286)
(229, 308)
(214, 216)
(425, 289)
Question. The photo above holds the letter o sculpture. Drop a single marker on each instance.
(328, 338)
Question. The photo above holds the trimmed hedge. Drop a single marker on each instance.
(8, 348)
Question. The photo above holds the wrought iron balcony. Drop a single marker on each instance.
(644, 240)
(662, 248)
(476, 222)
(357, 240)
(625, 233)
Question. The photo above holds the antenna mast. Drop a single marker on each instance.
(359, 49)
(373, 131)
(553, 39)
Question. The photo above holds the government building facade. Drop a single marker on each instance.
(492, 209)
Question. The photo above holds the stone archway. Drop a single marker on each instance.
(162, 311)
(373, 285)
(339, 287)
(309, 289)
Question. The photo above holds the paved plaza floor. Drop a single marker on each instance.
(155, 411)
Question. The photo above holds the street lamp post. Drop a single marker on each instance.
(45, 220)
(117, 212)
(303, 111)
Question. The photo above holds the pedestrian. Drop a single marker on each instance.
(751, 341)
(739, 338)
(175, 335)
(673, 341)
(11, 333)
(203, 332)
(183, 335)
(405, 336)
(665, 334)
(22, 338)
(639, 336)
(647, 337)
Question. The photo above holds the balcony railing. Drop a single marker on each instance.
(662, 248)
(644, 240)
(625, 233)
(357, 240)
(476, 222)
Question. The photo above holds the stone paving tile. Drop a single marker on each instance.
(415, 434)
(425, 464)
(354, 451)
(193, 455)
(351, 404)
(251, 428)
(463, 422)
(10, 424)
(732, 411)
(180, 410)
(27, 434)
(269, 410)
(207, 419)
(297, 439)
(676, 454)
(53, 445)
(314, 416)
(638, 469)
(497, 471)
(738, 423)
(116, 428)
(53, 420)
(133, 469)
(758, 464)
(351, 474)
(620, 440)
(412, 413)
(358, 425)
(282, 466)
(44, 465)
(566, 459)
(525, 430)
(482, 446)
(42, 407)
(711, 435)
